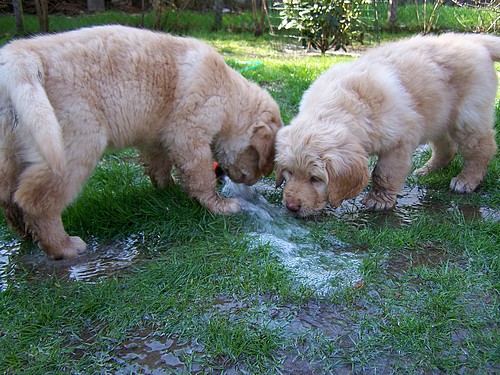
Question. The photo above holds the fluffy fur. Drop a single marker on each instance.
(66, 98)
(432, 89)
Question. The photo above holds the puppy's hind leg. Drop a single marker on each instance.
(443, 152)
(13, 213)
(10, 169)
(476, 155)
(476, 141)
(474, 132)
(43, 195)
(158, 167)
(15, 219)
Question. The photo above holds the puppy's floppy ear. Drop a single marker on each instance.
(346, 177)
(262, 141)
(279, 177)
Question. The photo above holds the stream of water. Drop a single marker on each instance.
(333, 264)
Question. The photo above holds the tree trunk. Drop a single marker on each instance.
(143, 10)
(42, 10)
(392, 15)
(218, 15)
(259, 25)
(18, 14)
(263, 13)
(157, 8)
(95, 5)
(257, 31)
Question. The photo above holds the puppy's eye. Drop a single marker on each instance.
(315, 179)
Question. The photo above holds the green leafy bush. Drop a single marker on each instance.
(323, 24)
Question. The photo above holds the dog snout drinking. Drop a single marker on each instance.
(293, 206)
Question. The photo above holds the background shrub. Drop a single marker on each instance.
(324, 24)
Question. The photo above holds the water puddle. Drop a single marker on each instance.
(412, 200)
(324, 268)
(106, 259)
(7, 248)
(101, 260)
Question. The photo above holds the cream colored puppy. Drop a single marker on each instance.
(66, 98)
(426, 89)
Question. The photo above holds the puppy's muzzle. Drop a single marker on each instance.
(293, 207)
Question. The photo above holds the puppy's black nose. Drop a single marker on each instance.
(294, 207)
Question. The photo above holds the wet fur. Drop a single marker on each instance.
(66, 98)
(439, 90)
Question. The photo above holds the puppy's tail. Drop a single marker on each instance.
(23, 79)
(492, 43)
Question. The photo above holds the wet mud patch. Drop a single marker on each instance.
(151, 353)
(471, 212)
(315, 316)
(426, 255)
(321, 334)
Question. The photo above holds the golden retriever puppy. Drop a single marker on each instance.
(66, 98)
(432, 89)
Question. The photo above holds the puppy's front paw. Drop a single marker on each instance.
(71, 248)
(463, 186)
(379, 201)
(424, 171)
(225, 206)
(78, 245)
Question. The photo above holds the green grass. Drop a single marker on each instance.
(444, 18)
(428, 301)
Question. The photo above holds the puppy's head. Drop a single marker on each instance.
(318, 166)
(249, 154)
